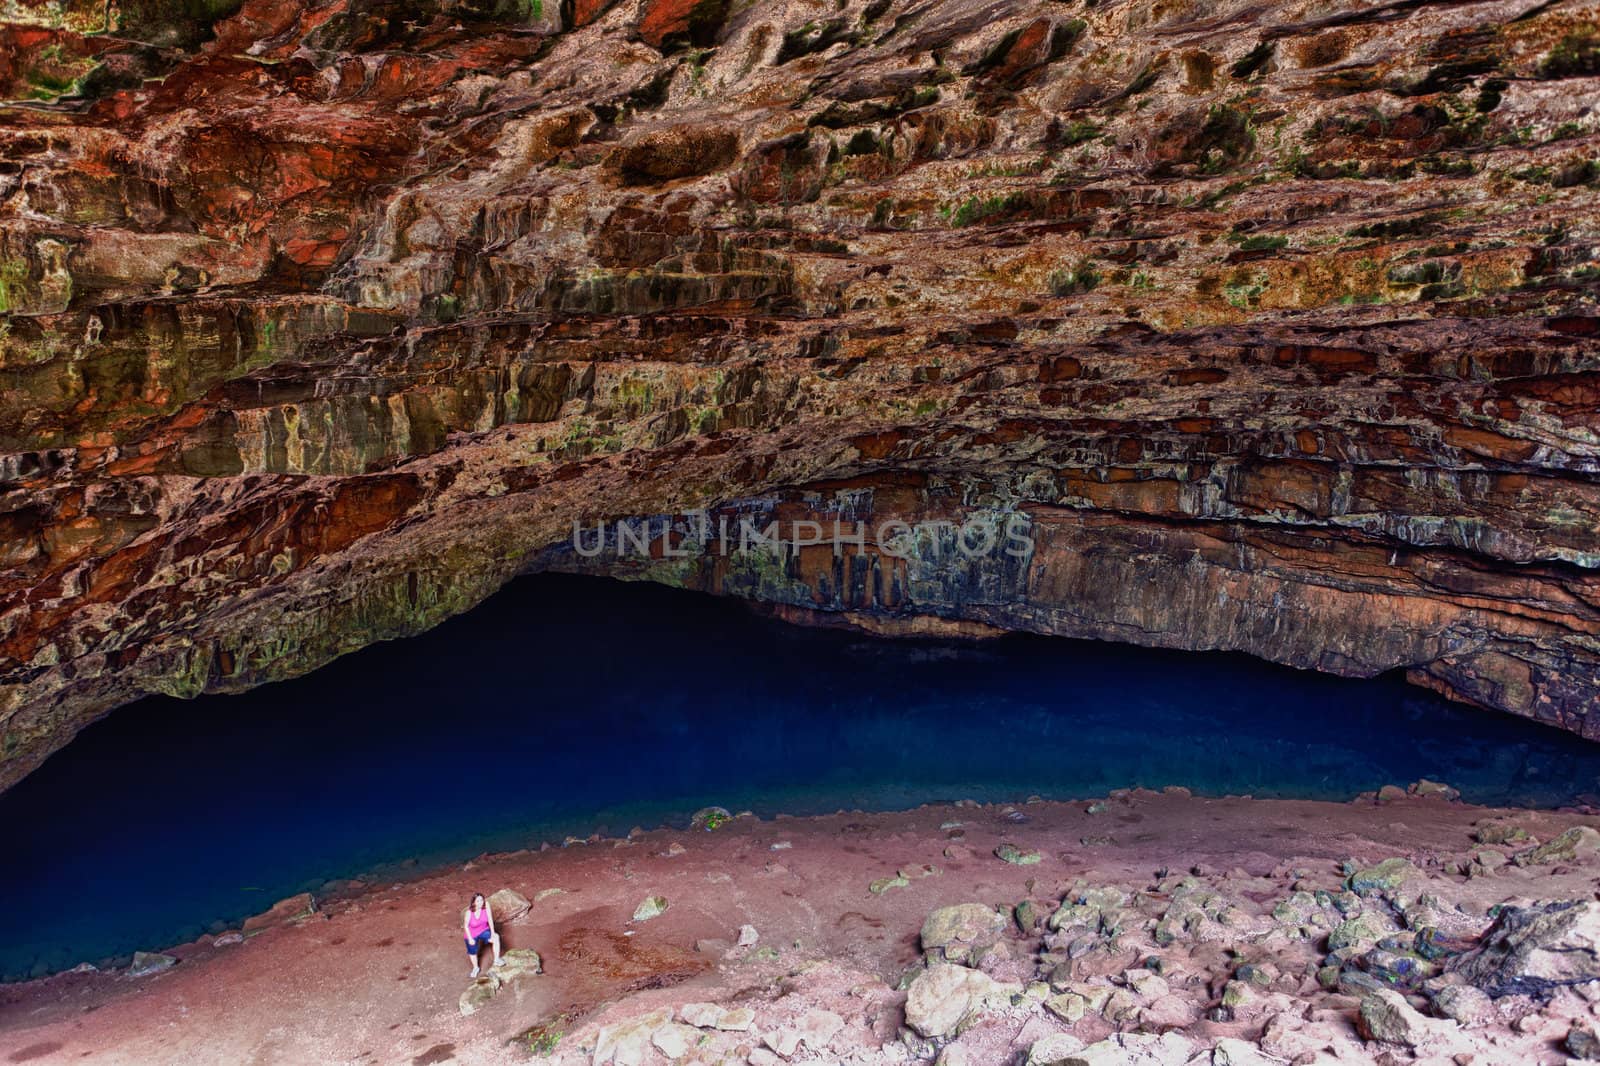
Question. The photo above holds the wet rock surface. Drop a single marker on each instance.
(317, 325)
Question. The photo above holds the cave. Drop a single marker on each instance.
(893, 532)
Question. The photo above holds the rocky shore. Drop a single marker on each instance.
(1142, 928)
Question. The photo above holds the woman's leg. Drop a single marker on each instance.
(472, 949)
(494, 938)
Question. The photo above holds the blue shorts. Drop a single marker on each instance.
(482, 939)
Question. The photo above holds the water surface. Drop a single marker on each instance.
(565, 704)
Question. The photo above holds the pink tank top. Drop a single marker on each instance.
(478, 924)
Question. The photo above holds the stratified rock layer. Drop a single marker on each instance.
(1274, 325)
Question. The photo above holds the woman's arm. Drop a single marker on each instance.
(466, 923)
(488, 912)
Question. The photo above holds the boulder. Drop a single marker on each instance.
(1578, 842)
(149, 962)
(1536, 950)
(944, 999)
(954, 932)
(508, 906)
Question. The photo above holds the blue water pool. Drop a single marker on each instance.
(566, 705)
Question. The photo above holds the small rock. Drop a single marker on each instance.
(712, 1016)
(1016, 856)
(1068, 1006)
(1146, 984)
(954, 932)
(650, 907)
(228, 940)
(1134, 1049)
(285, 910)
(710, 818)
(1170, 1012)
(1385, 878)
(149, 962)
(748, 935)
(1057, 1049)
(1385, 1015)
(674, 1040)
(1433, 789)
(784, 1041)
(1581, 1042)
(545, 893)
(1359, 932)
(1120, 1006)
(1234, 1052)
(1500, 833)
(818, 1028)
(884, 884)
(627, 1043)
(517, 961)
(1468, 1006)
(478, 993)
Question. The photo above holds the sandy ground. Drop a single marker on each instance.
(376, 978)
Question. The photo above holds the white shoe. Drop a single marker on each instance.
(499, 962)
(474, 971)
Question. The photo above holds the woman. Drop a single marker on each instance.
(478, 923)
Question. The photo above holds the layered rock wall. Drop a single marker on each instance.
(1276, 324)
